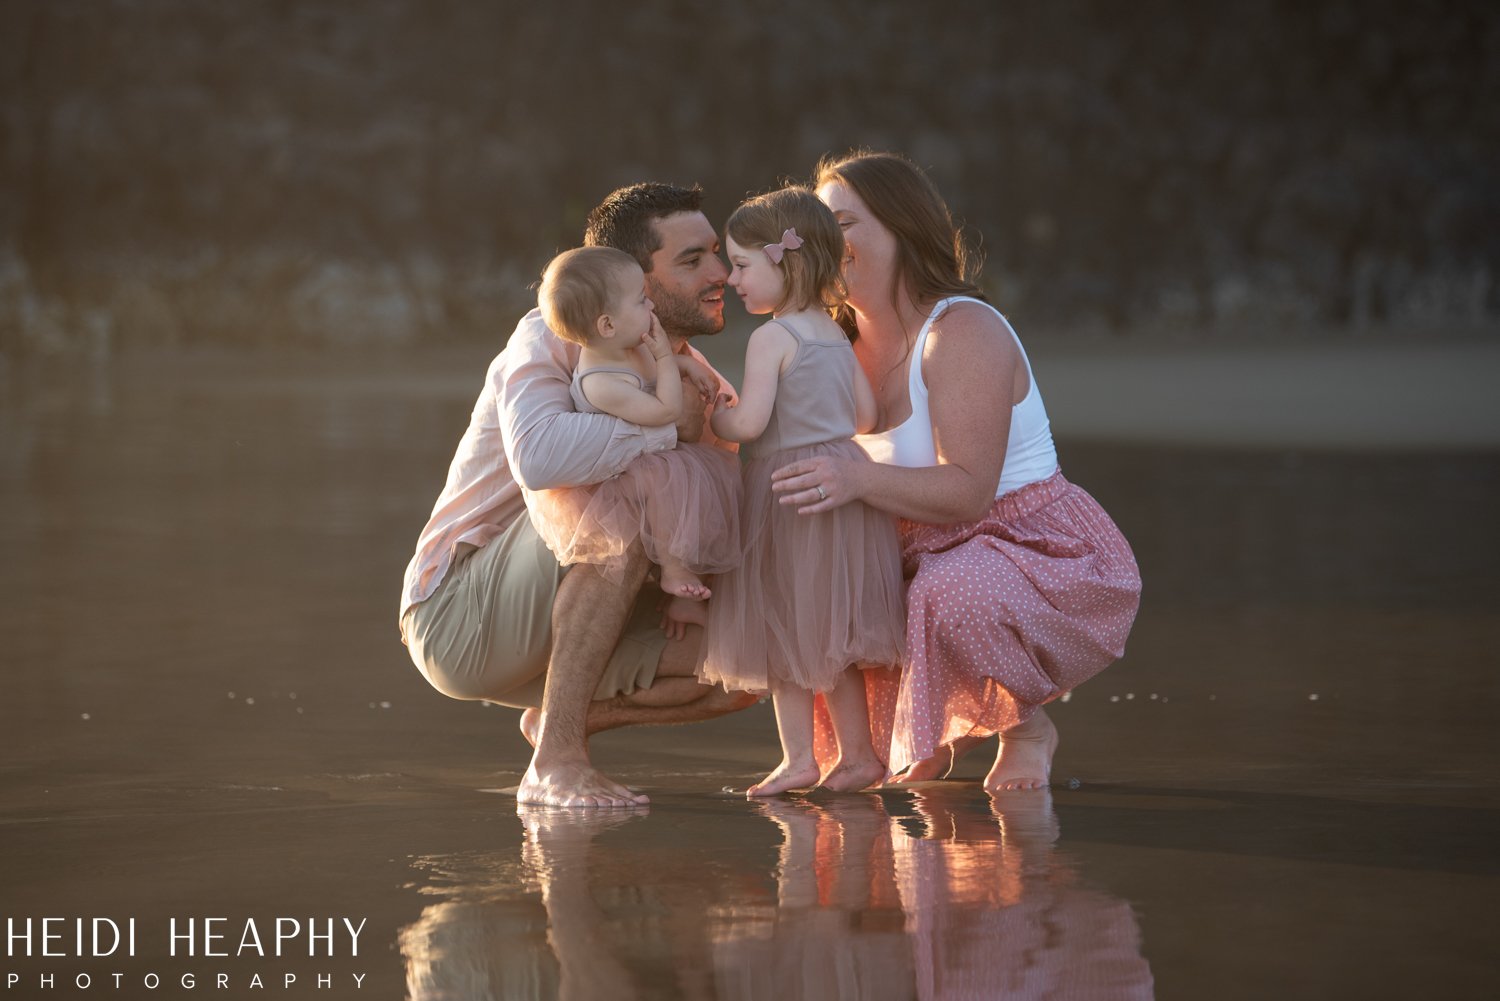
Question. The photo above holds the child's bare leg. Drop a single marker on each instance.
(794, 721)
(858, 767)
(681, 582)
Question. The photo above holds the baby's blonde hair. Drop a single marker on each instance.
(578, 287)
(814, 271)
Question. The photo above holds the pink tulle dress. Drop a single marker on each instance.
(683, 504)
(813, 594)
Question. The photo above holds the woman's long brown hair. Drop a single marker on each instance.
(932, 259)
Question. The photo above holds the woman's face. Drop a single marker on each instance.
(869, 248)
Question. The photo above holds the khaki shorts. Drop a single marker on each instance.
(485, 633)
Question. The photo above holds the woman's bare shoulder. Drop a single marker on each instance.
(968, 333)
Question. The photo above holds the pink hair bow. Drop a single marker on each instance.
(789, 241)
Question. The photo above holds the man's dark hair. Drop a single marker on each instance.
(623, 220)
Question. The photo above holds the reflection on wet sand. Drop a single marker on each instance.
(936, 892)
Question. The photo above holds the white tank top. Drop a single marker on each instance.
(1029, 453)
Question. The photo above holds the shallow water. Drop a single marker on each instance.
(1285, 790)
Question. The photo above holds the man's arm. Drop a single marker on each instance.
(547, 442)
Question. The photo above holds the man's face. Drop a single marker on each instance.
(686, 280)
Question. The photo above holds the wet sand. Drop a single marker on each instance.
(1286, 789)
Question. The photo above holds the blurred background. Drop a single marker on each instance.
(394, 172)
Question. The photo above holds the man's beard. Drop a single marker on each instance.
(682, 316)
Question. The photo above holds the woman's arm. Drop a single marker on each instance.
(970, 366)
(770, 347)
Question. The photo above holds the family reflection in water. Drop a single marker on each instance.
(936, 892)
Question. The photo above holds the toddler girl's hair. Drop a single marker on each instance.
(814, 271)
(578, 287)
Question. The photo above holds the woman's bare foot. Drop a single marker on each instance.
(1025, 757)
(679, 581)
(802, 775)
(531, 725)
(940, 765)
(853, 775)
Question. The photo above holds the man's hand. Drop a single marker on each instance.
(690, 421)
(679, 613)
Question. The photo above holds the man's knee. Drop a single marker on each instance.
(467, 688)
(476, 680)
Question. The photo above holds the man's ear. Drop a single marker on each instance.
(605, 326)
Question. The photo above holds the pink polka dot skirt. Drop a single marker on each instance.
(1003, 615)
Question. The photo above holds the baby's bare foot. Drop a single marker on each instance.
(683, 583)
(1025, 757)
(787, 776)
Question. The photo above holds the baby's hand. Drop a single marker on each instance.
(656, 340)
(698, 375)
(724, 402)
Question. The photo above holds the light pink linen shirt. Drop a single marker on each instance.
(524, 430)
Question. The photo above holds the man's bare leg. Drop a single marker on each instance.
(588, 616)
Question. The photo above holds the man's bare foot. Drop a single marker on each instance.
(802, 775)
(940, 765)
(853, 775)
(574, 784)
(531, 725)
(1025, 757)
(683, 583)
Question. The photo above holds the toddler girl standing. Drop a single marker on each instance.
(683, 503)
(814, 595)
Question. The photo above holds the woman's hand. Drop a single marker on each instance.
(821, 483)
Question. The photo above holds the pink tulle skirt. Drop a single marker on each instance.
(813, 593)
(1003, 615)
(683, 504)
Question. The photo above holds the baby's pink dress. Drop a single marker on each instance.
(813, 593)
(683, 504)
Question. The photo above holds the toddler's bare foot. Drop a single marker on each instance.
(531, 725)
(854, 774)
(802, 775)
(683, 583)
(1025, 757)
